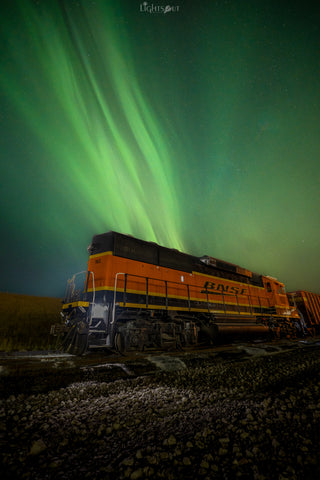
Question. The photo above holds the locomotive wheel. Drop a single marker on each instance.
(120, 343)
(75, 341)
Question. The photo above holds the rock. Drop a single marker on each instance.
(148, 472)
(127, 472)
(204, 464)
(171, 440)
(38, 447)
(136, 474)
(152, 459)
(164, 455)
(222, 451)
(224, 441)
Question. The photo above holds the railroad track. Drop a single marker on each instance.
(36, 372)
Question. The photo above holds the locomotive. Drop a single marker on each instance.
(138, 295)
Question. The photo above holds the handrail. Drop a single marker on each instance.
(70, 291)
(71, 285)
(250, 306)
(125, 289)
(147, 292)
(238, 304)
(224, 304)
(189, 303)
(114, 296)
(167, 283)
(93, 294)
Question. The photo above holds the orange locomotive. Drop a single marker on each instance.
(139, 295)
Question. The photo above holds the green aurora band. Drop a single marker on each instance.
(197, 129)
(102, 136)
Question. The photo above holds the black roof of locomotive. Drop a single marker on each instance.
(130, 247)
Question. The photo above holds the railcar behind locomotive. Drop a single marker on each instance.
(138, 295)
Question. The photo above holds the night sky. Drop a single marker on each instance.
(198, 128)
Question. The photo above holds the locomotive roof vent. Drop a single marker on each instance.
(91, 248)
(208, 260)
(271, 278)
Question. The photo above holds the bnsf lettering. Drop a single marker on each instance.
(222, 288)
(234, 290)
(214, 287)
(209, 286)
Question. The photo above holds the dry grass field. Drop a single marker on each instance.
(25, 321)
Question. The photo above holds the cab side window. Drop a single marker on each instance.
(269, 289)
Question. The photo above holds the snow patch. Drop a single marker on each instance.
(168, 364)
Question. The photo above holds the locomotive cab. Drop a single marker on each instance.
(284, 316)
(276, 294)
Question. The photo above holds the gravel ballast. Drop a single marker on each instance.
(258, 419)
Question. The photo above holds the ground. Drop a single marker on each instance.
(244, 412)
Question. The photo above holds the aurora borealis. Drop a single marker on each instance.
(198, 128)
